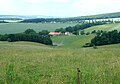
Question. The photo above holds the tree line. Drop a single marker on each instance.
(72, 19)
(28, 35)
(75, 29)
(100, 16)
(105, 38)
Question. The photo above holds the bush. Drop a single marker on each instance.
(82, 32)
(93, 32)
(87, 33)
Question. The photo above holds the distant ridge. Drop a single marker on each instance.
(11, 17)
(99, 16)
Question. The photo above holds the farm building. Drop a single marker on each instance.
(67, 33)
(55, 33)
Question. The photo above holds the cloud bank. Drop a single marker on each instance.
(60, 8)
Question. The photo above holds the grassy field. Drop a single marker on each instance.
(72, 41)
(78, 41)
(33, 63)
(20, 27)
(106, 27)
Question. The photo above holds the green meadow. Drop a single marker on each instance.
(35, 63)
(106, 27)
(21, 27)
(72, 41)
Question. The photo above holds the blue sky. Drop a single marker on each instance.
(61, 8)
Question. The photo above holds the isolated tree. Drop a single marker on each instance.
(82, 32)
(30, 31)
(87, 33)
(93, 32)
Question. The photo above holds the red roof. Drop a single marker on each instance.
(54, 33)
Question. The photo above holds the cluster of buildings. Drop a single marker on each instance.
(59, 33)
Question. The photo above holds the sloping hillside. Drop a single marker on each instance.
(25, 62)
(101, 16)
(72, 41)
(80, 40)
(106, 27)
(20, 27)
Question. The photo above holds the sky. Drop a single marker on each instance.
(61, 8)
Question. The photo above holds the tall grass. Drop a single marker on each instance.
(11, 76)
(29, 63)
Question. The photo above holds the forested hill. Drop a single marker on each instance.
(77, 19)
(100, 16)
(38, 18)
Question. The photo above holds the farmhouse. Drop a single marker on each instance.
(54, 33)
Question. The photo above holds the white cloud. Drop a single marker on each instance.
(59, 7)
(7, 7)
(89, 7)
(61, 1)
(34, 1)
(46, 1)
